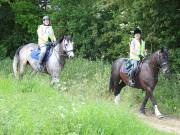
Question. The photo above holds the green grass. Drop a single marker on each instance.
(82, 105)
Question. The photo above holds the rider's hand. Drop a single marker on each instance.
(53, 43)
(145, 52)
(141, 57)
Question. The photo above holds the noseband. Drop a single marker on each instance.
(66, 50)
(69, 50)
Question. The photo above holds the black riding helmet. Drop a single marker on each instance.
(137, 31)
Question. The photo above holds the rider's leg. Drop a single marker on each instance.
(41, 56)
(131, 73)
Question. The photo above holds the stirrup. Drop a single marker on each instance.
(131, 83)
(39, 67)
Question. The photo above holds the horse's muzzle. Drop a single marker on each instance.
(70, 54)
(166, 71)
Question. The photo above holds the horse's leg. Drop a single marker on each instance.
(117, 89)
(55, 79)
(21, 68)
(111, 84)
(142, 109)
(154, 103)
(53, 68)
(157, 112)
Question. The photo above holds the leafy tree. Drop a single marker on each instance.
(19, 21)
(101, 28)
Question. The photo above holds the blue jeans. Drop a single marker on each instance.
(42, 54)
(133, 69)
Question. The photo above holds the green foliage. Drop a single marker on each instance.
(19, 21)
(101, 28)
(6, 26)
(95, 27)
(159, 21)
(169, 96)
(27, 16)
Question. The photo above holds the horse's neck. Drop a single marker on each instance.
(58, 53)
(61, 55)
(57, 50)
(153, 63)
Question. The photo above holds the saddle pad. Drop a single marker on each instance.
(35, 54)
(126, 67)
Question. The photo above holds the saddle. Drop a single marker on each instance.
(128, 66)
(35, 54)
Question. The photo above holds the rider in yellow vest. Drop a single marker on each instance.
(45, 32)
(137, 52)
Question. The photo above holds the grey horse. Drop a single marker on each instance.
(53, 65)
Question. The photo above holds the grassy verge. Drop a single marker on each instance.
(82, 105)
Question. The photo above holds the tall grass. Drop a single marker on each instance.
(81, 105)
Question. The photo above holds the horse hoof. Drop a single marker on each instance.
(116, 102)
(160, 116)
(142, 111)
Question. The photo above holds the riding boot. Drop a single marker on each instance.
(40, 65)
(131, 81)
(40, 62)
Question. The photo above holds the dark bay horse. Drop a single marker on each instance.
(146, 78)
(53, 65)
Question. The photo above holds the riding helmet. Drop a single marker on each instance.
(137, 31)
(46, 18)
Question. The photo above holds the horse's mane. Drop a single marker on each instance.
(60, 39)
(69, 38)
(149, 57)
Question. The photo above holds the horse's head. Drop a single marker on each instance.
(67, 45)
(163, 60)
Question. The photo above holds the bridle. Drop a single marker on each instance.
(57, 51)
(68, 50)
(160, 65)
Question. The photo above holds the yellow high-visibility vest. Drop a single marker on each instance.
(136, 49)
(45, 32)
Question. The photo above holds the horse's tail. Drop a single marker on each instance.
(16, 62)
(111, 83)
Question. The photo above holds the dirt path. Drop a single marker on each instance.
(165, 124)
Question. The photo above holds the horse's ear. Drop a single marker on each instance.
(72, 35)
(60, 39)
(162, 49)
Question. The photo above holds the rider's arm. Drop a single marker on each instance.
(52, 36)
(143, 51)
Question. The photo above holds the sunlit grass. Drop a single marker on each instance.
(82, 105)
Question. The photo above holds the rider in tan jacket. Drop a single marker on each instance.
(45, 32)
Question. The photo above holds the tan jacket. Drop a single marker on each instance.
(43, 33)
